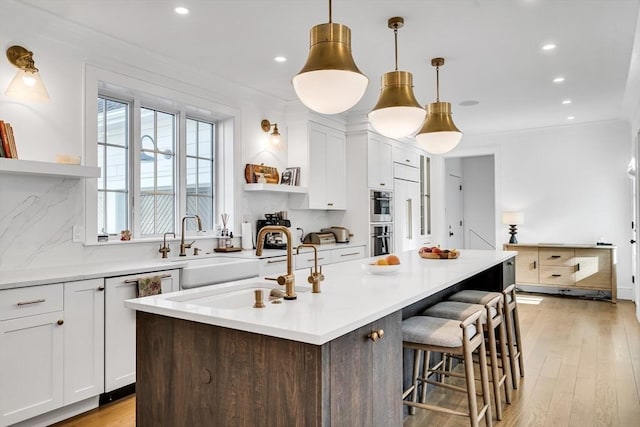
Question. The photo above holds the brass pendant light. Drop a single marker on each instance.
(330, 82)
(397, 113)
(438, 134)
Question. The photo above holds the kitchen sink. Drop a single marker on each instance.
(210, 271)
(241, 296)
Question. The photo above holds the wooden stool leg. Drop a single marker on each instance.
(516, 324)
(471, 385)
(425, 374)
(515, 371)
(495, 369)
(484, 379)
(416, 373)
(506, 365)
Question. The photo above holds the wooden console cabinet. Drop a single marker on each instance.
(586, 267)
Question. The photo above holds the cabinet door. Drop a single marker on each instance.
(406, 156)
(273, 267)
(526, 265)
(120, 327)
(30, 366)
(379, 162)
(336, 170)
(593, 268)
(83, 340)
(317, 168)
(406, 214)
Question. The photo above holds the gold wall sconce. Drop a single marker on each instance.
(438, 133)
(330, 81)
(274, 137)
(27, 84)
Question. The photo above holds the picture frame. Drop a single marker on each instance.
(295, 175)
(287, 177)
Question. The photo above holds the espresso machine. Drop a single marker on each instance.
(274, 240)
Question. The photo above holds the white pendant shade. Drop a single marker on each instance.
(439, 142)
(28, 86)
(397, 122)
(330, 91)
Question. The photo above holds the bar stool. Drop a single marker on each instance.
(431, 334)
(512, 320)
(455, 310)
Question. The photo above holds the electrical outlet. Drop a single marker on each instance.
(77, 233)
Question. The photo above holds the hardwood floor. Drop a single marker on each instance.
(582, 361)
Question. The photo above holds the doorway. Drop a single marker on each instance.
(454, 211)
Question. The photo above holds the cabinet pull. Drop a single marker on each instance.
(100, 288)
(382, 184)
(35, 301)
(376, 335)
(132, 281)
(329, 204)
(275, 261)
(578, 267)
(556, 275)
(535, 264)
(409, 219)
(313, 259)
(350, 254)
(60, 322)
(556, 256)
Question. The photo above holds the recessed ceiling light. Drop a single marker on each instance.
(549, 46)
(566, 102)
(280, 59)
(180, 10)
(570, 118)
(469, 103)
(558, 80)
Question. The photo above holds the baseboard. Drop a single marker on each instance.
(118, 393)
(578, 293)
(625, 293)
(60, 414)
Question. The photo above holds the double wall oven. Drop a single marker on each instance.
(381, 222)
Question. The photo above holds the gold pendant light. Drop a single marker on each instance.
(330, 82)
(397, 113)
(438, 134)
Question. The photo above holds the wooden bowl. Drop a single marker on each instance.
(431, 255)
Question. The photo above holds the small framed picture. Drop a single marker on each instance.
(295, 175)
(286, 178)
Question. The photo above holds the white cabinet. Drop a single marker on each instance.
(320, 153)
(305, 258)
(379, 162)
(347, 254)
(406, 156)
(120, 326)
(31, 352)
(406, 214)
(83, 339)
(273, 267)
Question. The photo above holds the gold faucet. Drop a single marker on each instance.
(288, 280)
(184, 245)
(165, 248)
(316, 276)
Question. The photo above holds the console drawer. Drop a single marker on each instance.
(556, 256)
(557, 275)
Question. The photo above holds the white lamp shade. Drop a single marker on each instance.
(438, 142)
(397, 122)
(28, 86)
(330, 91)
(512, 218)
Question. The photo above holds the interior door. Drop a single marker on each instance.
(453, 211)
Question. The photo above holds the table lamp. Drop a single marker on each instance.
(513, 219)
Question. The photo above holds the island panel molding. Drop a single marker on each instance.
(585, 267)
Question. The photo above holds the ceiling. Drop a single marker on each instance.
(492, 48)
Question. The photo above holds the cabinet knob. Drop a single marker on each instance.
(376, 335)
(100, 288)
(60, 322)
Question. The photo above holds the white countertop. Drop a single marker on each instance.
(349, 298)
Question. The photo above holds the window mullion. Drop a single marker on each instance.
(135, 146)
(181, 167)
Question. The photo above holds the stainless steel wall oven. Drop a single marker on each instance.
(381, 208)
(381, 239)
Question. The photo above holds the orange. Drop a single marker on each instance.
(393, 259)
(382, 261)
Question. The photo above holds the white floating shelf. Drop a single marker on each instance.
(276, 188)
(31, 167)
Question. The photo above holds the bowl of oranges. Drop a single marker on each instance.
(385, 265)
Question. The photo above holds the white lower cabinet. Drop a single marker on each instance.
(31, 352)
(83, 339)
(347, 254)
(120, 326)
(273, 267)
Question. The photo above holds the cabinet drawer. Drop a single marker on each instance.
(347, 254)
(556, 256)
(557, 275)
(406, 156)
(30, 301)
(273, 266)
(305, 258)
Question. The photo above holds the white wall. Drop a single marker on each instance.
(571, 183)
(478, 174)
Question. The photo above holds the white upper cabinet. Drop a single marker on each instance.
(320, 153)
(406, 156)
(379, 162)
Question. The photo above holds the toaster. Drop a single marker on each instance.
(320, 238)
(342, 233)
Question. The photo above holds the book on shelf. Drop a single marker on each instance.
(7, 141)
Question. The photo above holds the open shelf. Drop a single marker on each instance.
(279, 188)
(31, 167)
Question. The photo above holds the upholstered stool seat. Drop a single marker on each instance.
(425, 334)
(459, 311)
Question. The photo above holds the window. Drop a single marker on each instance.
(157, 177)
(200, 161)
(145, 196)
(113, 155)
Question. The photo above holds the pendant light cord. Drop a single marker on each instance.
(437, 83)
(395, 33)
(330, 12)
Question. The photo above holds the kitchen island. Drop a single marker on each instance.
(318, 360)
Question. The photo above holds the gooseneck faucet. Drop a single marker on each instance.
(165, 248)
(288, 280)
(316, 276)
(184, 245)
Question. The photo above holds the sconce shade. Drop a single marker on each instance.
(512, 218)
(438, 134)
(330, 82)
(274, 137)
(27, 84)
